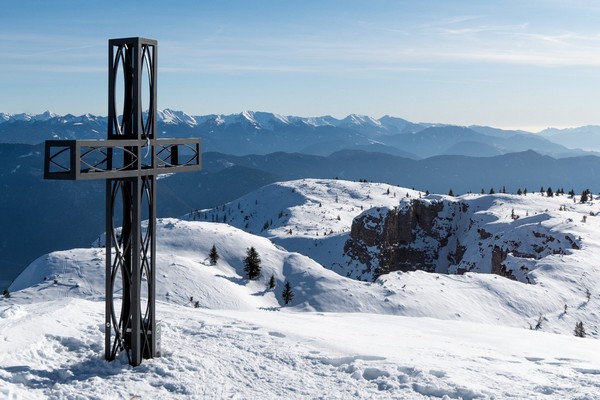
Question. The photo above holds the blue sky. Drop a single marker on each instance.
(525, 64)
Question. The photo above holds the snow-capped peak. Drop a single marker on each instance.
(21, 117)
(355, 119)
(46, 115)
(169, 116)
(326, 120)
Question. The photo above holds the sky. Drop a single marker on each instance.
(525, 64)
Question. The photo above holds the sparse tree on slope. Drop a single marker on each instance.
(579, 329)
(272, 282)
(288, 293)
(252, 263)
(213, 255)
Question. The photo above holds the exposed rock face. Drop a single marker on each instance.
(445, 235)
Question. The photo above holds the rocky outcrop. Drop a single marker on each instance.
(392, 232)
(444, 235)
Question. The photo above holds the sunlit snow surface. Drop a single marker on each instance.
(405, 336)
(54, 350)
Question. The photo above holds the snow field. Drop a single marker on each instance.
(267, 354)
(407, 335)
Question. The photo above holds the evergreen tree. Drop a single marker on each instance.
(584, 196)
(272, 282)
(213, 255)
(492, 191)
(252, 263)
(549, 192)
(288, 293)
(579, 329)
(451, 193)
(519, 192)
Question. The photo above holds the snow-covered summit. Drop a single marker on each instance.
(354, 119)
(309, 216)
(530, 237)
(258, 119)
(169, 116)
(476, 336)
(311, 207)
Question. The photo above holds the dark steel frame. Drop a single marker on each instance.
(129, 161)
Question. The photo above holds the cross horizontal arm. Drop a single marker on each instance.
(116, 159)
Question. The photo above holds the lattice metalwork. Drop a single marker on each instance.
(129, 161)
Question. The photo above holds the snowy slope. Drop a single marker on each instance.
(53, 350)
(308, 216)
(407, 335)
(184, 271)
(546, 227)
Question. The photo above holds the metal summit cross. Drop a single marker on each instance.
(129, 161)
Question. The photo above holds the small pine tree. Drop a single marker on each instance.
(213, 255)
(272, 282)
(450, 193)
(287, 293)
(519, 192)
(539, 322)
(492, 191)
(549, 192)
(252, 263)
(584, 196)
(579, 329)
(6, 293)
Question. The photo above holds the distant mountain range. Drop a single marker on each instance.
(245, 151)
(263, 133)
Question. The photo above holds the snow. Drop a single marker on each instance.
(411, 335)
(264, 354)
(361, 120)
(175, 117)
(319, 213)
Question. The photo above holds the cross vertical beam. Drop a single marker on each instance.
(129, 161)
